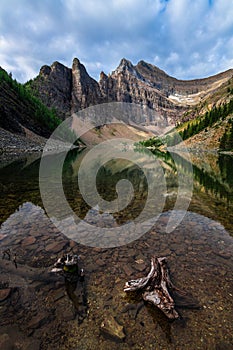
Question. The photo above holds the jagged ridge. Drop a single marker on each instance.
(72, 89)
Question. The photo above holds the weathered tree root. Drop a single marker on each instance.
(155, 287)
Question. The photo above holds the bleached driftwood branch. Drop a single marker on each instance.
(155, 287)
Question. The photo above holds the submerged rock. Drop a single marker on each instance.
(112, 329)
(39, 320)
(4, 294)
(4, 341)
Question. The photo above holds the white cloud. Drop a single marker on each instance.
(24, 67)
(96, 8)
(185, 20)
(185, 38)
(172, 58)
(195, 31)
(41, 24)
(156, 60)
(9, 67)
(63, 43)
(220, 16)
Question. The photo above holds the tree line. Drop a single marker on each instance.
(203, 122)
(209, 118)
(154, 142)
(226, 141)
(45, 116)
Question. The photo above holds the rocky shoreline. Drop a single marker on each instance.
(15, 143)
(13, 146)
(38, 313)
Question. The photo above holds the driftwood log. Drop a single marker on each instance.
(156, 287)
(68, 266)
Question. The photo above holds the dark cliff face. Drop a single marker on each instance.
(85, 90)
(54, 87)
(70, 90)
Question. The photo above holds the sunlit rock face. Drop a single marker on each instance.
(85, 90)
(72, 89)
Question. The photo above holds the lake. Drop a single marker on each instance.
(188, 209)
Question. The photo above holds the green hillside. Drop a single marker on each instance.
(209, 124)
(19, 109)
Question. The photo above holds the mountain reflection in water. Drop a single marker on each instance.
(199, 253)
(212, 176)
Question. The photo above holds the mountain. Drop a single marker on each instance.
(72, 89)
(34, 109)
(210, 124)
(25, 122)
(67, 90)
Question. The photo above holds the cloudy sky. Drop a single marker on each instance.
(186, 38)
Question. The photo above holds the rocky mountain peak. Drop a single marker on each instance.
(76, 64)
(57, 65)
(142, 63)
(85, 90)
(56, 69)
(148, 66)
(45, 71)
(125, 65)
(69, 90)
(103, 76)
(53, 87)
(79, 70)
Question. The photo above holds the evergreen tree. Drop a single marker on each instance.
(44, 116)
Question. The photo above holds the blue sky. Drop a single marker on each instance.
(186, 38)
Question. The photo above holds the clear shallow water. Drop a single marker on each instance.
(199, 254)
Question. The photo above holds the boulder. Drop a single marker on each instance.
(112, 329)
